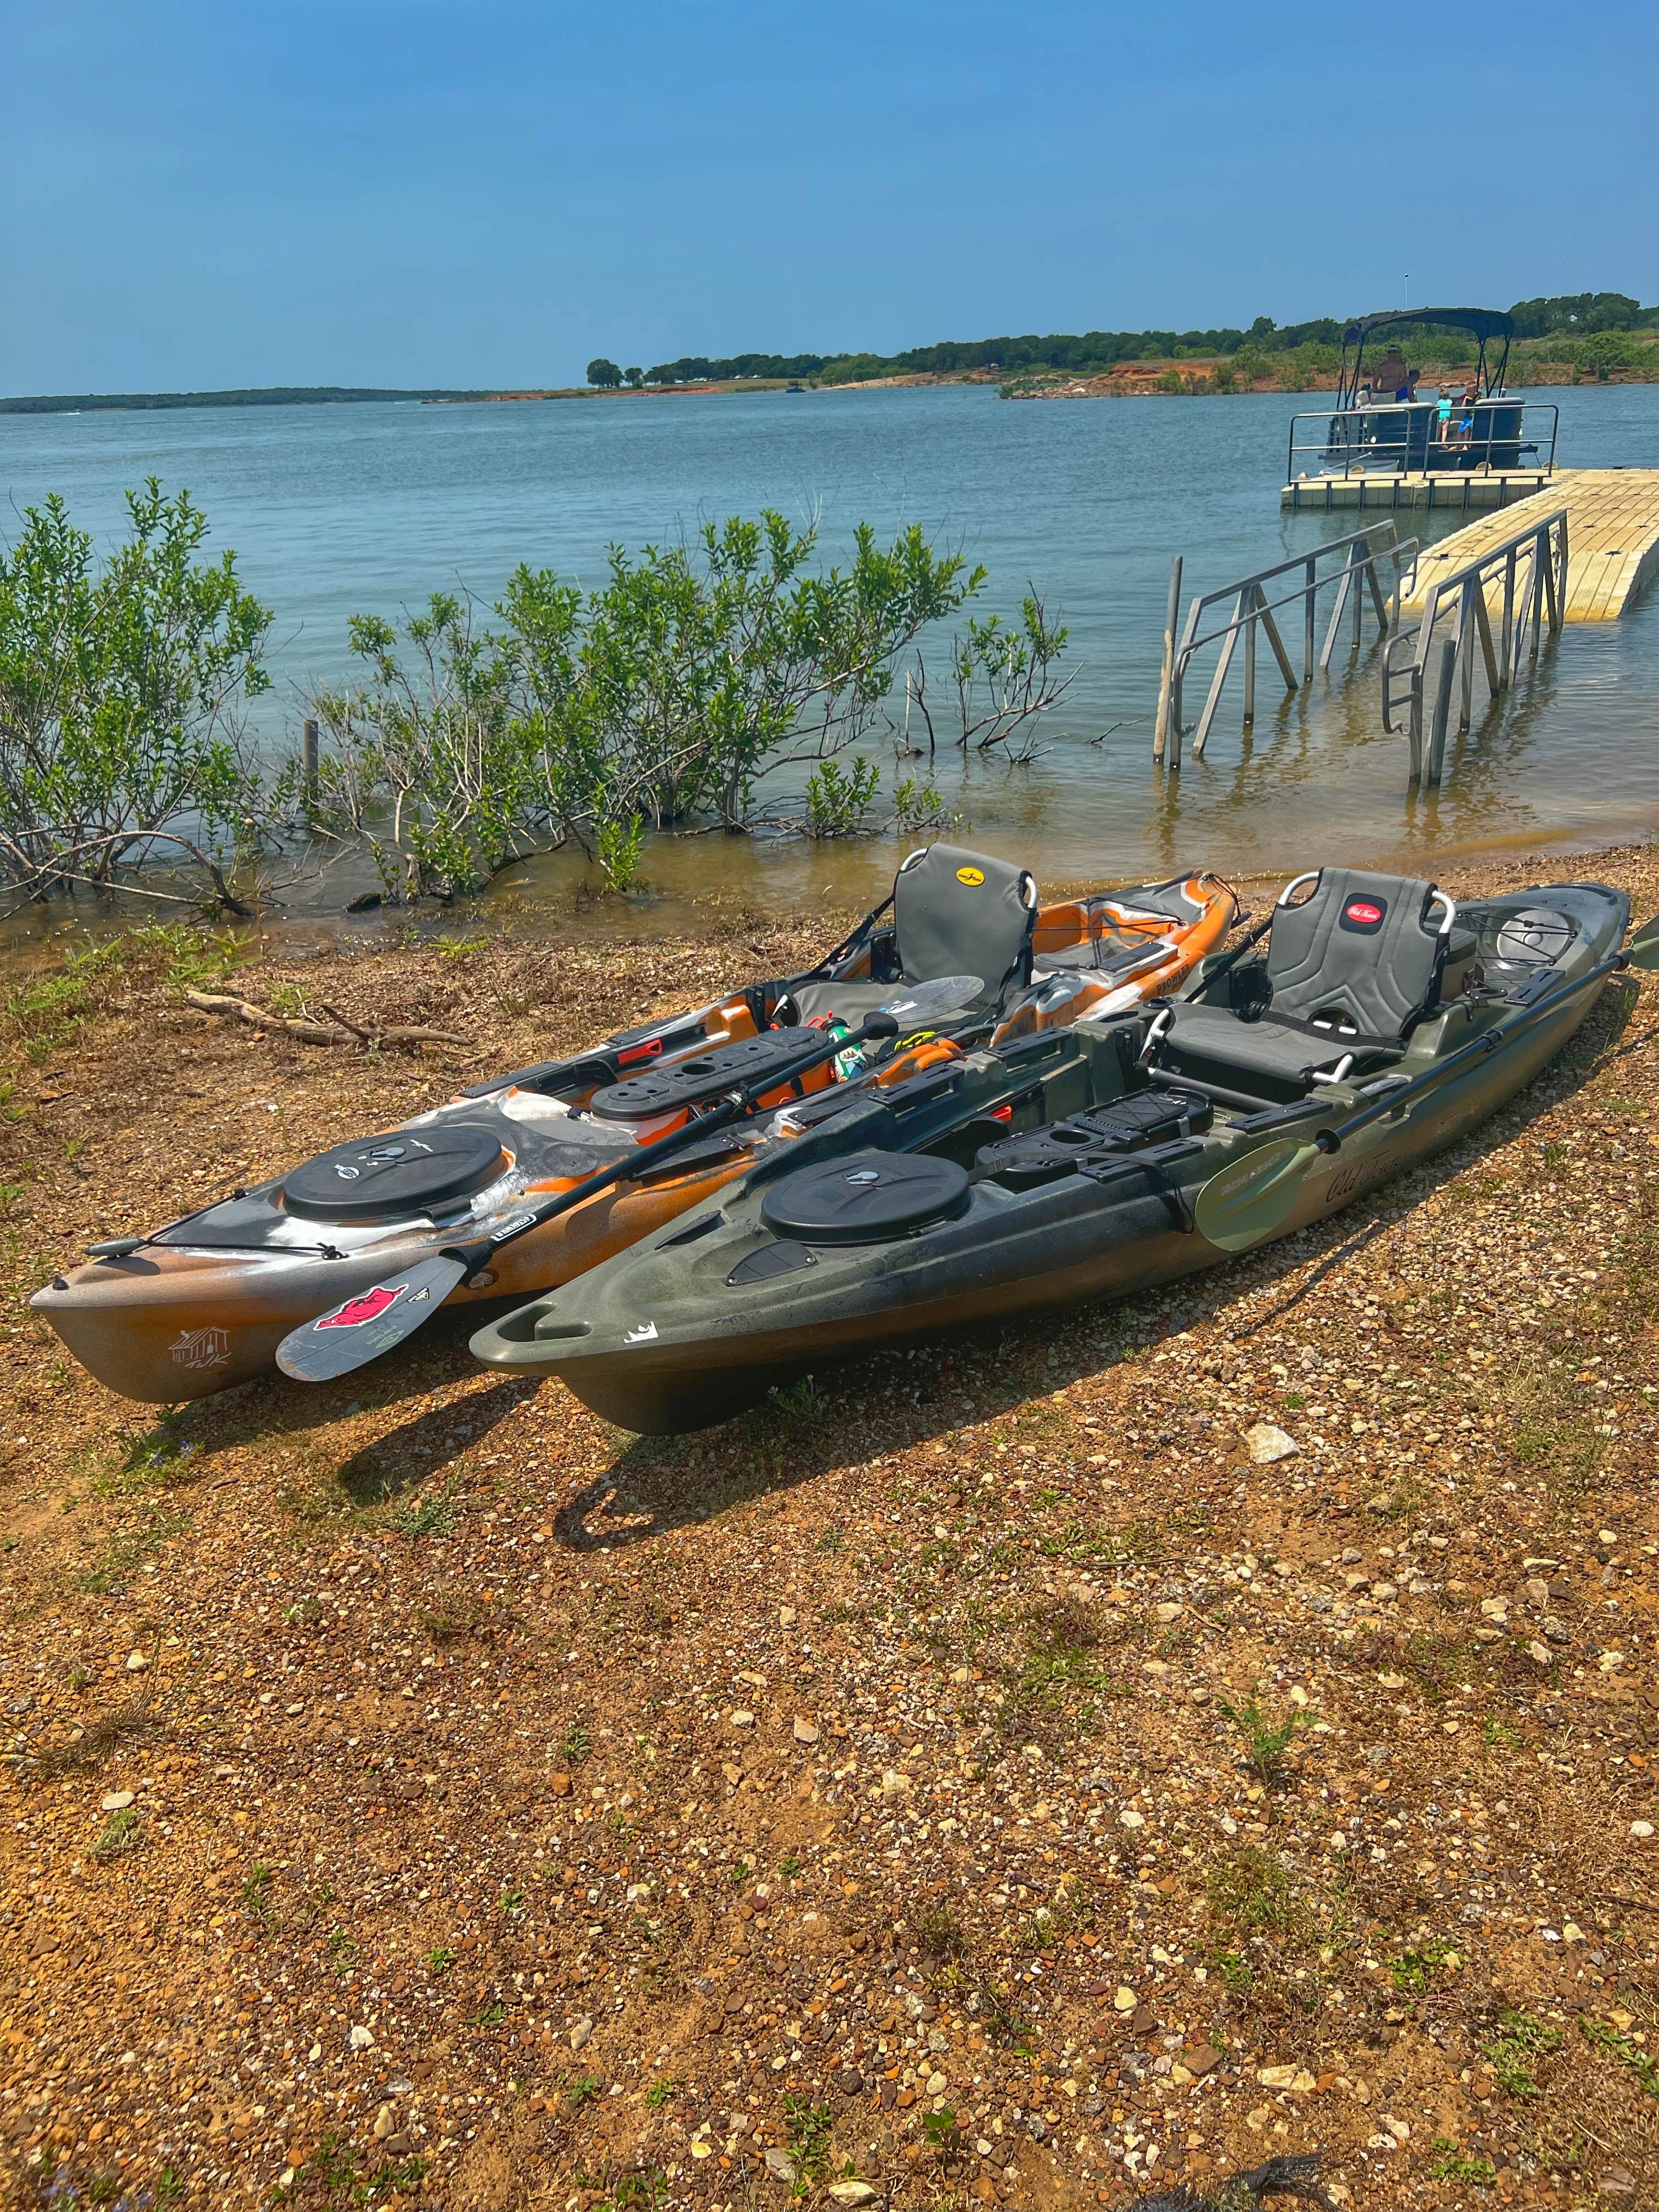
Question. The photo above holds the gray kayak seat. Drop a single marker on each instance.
(1350, 971)
(954, 913)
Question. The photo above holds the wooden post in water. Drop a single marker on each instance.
(308, 759)
(1443, 674)
(1161, 734)
(1465, 647)
(1505, 658)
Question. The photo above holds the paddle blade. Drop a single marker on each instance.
(348, 1336)
(944, 994)
(1643, 947)
(1245, 1202)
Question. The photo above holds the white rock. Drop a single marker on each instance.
(1124, 1998)
(362, 2039)
(742, 1719)
(805, 1731)
(1129, 1818)
(937, 2085)
(580, 2033)
(118, 1800)
(779, 2163)
(137, 1662)
(1266, 1442)
(1642, 1828)
(787, 1616)
(851, 2192)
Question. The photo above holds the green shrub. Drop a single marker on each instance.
(122, 686)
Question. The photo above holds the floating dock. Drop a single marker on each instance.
(1612, 540)
(1454, 492)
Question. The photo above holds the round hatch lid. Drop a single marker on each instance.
(864, 1198)
(404, 1172)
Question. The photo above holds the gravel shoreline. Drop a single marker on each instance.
(421, 1793)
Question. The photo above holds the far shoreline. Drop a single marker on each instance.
(1175, 378)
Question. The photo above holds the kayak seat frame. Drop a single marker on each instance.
(1349, 971)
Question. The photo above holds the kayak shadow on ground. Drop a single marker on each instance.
(405, 1456)
(272, 1407)
(851, 1414)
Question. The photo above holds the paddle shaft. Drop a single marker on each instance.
(1331, 1140)
(474, 1253)
(1201, 982)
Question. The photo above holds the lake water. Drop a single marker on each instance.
(334, 510)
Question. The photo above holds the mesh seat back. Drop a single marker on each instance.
(1361, 950)
(956, 912)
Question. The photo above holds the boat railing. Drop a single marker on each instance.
(1348, 566)
(1501, 434)
(1490, 602)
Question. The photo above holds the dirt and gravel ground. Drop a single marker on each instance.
(419, 1793)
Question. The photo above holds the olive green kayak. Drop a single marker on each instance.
(1377, 1023)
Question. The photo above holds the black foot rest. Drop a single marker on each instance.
(707, 1075)
(1103, 1135)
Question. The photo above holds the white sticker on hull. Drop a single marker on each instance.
(201, 1347)
(644, 1334)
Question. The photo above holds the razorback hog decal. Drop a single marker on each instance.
(369, 1307)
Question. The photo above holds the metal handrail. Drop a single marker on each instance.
(1360, 552)
(1355, 441)
(1542, 543)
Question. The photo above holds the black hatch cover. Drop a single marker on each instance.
(705, 1075)
(405, 1171)
(864, 1198)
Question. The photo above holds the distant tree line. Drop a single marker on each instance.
(1575, 314)
(1580, 313)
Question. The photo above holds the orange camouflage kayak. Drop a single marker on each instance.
(202, 1304)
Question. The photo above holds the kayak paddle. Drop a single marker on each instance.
(1245, 1200)
(915, 1002)
(378, 1320)
(1642, 950)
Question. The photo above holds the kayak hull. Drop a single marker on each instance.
(663, 1339)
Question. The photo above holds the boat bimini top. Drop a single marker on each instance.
(1484, 325)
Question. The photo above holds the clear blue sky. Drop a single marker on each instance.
(491, 191)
